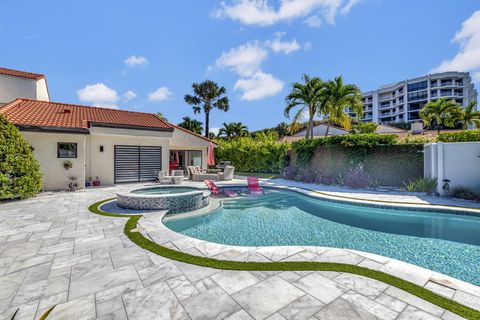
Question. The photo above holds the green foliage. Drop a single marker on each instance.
(233, 130)
(425, 184)
(471, 117)
(441, 113)
(415, 139)
(207, 95)
(20, 175)
(191, 124)
(401, 125)
(262, 154)
(465, 193)
(282, 129)
(132, 232)
(67, 164)
(305, 148)
(364, 128)
(461, 136)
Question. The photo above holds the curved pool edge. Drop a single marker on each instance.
(151, 228)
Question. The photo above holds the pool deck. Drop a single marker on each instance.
(53, 251)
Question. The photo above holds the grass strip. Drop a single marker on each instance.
(136, 237)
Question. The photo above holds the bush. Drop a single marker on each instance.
(460, 136)
(19, 171)
(261, 154)
(357, 178)
(425, 184)
(465, 193)
(305, 148)
(415, 139)
(364, 128)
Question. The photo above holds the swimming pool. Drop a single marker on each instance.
(443, 242)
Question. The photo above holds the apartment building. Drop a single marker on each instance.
(402, 101)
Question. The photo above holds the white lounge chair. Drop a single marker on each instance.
(164, 178)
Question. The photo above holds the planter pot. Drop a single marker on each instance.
(87, 184)
(96, 183)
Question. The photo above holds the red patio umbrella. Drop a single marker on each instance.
(211, 156)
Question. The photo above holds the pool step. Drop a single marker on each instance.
(244, 203)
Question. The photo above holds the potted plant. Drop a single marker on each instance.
(73, 183)
(96, 182)
(88, 183)
(67, 164)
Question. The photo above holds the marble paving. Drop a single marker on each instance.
(53, 251)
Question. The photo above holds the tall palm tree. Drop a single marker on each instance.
(339, 96)
(233, 130)
(309, 96)
(191, 124)
(471, 117)
(441, 112)
(207, 95)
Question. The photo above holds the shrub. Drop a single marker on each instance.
(465, 193)
(364, 128)
(425, 184)
(460, 136)
(19, 171)
(415, 139)
(357, 178)
(261, 154)
(305, 148)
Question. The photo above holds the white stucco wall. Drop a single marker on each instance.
(54, 176)
(42, 90)
(101, 164)
(457, 161)
(12, 88)
(184, 141)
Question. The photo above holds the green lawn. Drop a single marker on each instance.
(259, 175)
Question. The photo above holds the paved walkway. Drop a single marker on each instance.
(53, 251)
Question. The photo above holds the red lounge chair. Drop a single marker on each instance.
(216, 190)
(253, 185)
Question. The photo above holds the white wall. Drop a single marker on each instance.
(54, 176)
(101, 164)
(457, 161)
(185, 141)
(12, 88)
(42, 90)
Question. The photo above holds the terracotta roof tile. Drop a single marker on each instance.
(21, 74)
(62, 115)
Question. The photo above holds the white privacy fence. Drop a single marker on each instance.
(458, 162)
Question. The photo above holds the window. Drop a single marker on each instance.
(66, 150)
(417, 86)
(459, 82)
(421, 95)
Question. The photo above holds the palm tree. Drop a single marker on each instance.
(309, 95)
(471, 117)
(441, 112)
(233, 130)
(191, 124)
(340, 96)
(161, 116)
(207, 95)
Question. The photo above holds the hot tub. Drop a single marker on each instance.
(174, 199)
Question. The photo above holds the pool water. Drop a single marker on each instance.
(447, 243)
(164, 190)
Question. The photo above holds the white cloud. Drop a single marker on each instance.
(136, 61)
(277, 45)
(259, 12)
(99, 95)
(214, 130)
(129, 95)
(161, 94)
(313, 21)
(476, 77)
(258, 86)
(348, 6)
(468, 56)
(244, 60)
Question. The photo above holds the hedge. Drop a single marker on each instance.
(261, 154)
(305, 148)
(460, 136)
(20, 175)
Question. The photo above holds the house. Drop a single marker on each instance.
(20, 84)
(320, 130)
(114, 145)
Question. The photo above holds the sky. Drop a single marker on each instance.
(145, 55)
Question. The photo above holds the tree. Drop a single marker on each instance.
(309, 96)
(364, 128)
(191, 124)
(233, 130)
(340, 96)
(441, 112)
(161, 116)
(20, 175)
(471, 117)
(207, 95)
(211, 135)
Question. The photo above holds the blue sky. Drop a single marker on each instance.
(144, 55)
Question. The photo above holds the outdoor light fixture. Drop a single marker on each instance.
(101, 148)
